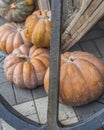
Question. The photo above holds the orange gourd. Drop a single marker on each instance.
(37, 28)
(12, 36)
(26, 67)
(81, 78)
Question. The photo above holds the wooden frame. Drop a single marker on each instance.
(43, 4)
(88, 15)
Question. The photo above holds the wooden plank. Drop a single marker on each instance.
(67, 10)
(77, 15)
(43, 4)
(83, 17)
(93, 6)
(98, 13)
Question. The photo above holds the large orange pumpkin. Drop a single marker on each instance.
(81, 78)
(26, 67)
(11, 37)
(37, 28)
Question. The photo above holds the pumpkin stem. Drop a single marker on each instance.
(70, 60)
(24, 57)
(45, 16)
(13, 6)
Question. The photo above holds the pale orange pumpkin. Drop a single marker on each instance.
(81, 78)
(26, 67)
(37, 28)
(12, 36)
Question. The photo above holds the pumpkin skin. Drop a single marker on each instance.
(81, 78)
(16, 11)
(11, 37)
(26, 67)
(37, 28)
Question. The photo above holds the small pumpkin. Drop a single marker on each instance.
(26, 67)
(12, 36)
(81, 78)
(16, 10)
(37, 28)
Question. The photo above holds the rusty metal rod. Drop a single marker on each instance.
(56, 7)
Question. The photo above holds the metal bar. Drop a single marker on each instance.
(54, 64)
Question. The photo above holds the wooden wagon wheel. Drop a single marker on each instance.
(19, 122)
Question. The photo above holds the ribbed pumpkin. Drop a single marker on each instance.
(11, 37)
(26, 67)
(16, 10)
(81, 78)
(37, 28)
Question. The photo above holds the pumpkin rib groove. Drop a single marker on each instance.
(22, 51)
(91, 62)
(74, 95)
(95, 69)
(86, 56)
(88, 88)
(35, 77)
(6, 42)
(16, 44)
(18, 76)
(39, 59)
(11, 69)
(32, 51)
(45, 61)
(63, 87)
(39, 52)
(9, 42)
(35, 66)
(81, 72)
(74, 88)
(7, 59)
(25, 73)
(36, 59)
(3, 40)
(35, 72)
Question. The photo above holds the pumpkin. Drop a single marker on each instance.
(37, 28)
(26, 67)
(81, 78)
(16, 10)
(11, 37)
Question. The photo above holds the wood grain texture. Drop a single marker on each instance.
(82, 22)
(44, 4)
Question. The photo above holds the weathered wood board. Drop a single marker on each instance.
(78, 18)
(89, 13)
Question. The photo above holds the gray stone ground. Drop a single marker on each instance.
(33, 103)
